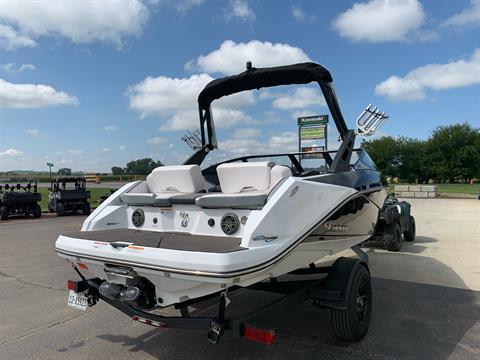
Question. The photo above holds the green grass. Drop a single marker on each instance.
(451, 188)
(95, 194)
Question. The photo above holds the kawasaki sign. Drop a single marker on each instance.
(312, 120)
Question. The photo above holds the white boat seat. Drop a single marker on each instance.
(167, 185)
(251, 192)
(176, 178)
(237, 177)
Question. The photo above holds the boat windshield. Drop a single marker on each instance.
(362, 161)
(318, 161)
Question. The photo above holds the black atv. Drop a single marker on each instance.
(20, 199)
(394, 219)
(69, 195)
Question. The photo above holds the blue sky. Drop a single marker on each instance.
(93, 85)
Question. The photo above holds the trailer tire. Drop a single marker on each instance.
(37, 211)
(352, 323)
(392, 239)
(60, 209)
(4, 212)
(409, 235)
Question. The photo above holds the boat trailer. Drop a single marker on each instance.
(349, 299)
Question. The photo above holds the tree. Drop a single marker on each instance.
(411, 167)
(453, 153)
(385, 153)
(141, 166)
(64, 172)
(117, 170)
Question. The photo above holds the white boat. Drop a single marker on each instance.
(187, 232)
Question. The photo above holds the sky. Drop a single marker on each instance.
(93, 84)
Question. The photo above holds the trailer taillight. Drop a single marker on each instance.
(77, 285)
(72, 285)
(261, 335)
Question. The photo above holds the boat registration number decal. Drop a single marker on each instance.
(77, 300)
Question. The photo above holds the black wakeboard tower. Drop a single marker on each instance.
(253, 78)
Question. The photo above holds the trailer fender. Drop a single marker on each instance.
(334, 292)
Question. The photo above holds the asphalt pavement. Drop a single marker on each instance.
(425, 302)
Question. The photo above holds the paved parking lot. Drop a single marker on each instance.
(426, 302)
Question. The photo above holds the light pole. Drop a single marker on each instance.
(50, 165)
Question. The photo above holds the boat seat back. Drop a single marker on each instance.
(245, 185)
(167, 185)
(238, 177)
(175, 179)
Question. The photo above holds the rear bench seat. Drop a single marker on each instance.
(244, 185)
(167, 185)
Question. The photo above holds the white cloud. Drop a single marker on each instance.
(297, 13)
(164, 95)
(284, 142)
(121, 147)
(33, 132)
(10, 39)
(176, 100)
(412, 86)
(380, 20)
(82, 21)
(111, 128)
(468, 17)
(231, 57)
(241, 146)
(299, 98)
(28, 96)
(246, 133)
(75, 152)
(240, 10)
(223, 118)
(287, 141)
(12, 68)
(10, 153)
(105, 150)
(304, 112)
(156, 141)
(183, 6)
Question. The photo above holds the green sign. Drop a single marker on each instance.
(312, 120)
(49, 164)
(312, 132)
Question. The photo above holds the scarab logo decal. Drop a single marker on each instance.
(336, 227)
(264, 238)
(185, 218)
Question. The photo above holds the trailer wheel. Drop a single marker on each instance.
(392, 239)
(352, 323)
(409, 235)
(37, 211)
(86, 208)
(60, 209)
(4, 212)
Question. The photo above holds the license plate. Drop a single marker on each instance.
(77, 300)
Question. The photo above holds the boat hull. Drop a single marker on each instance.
(275, 240)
